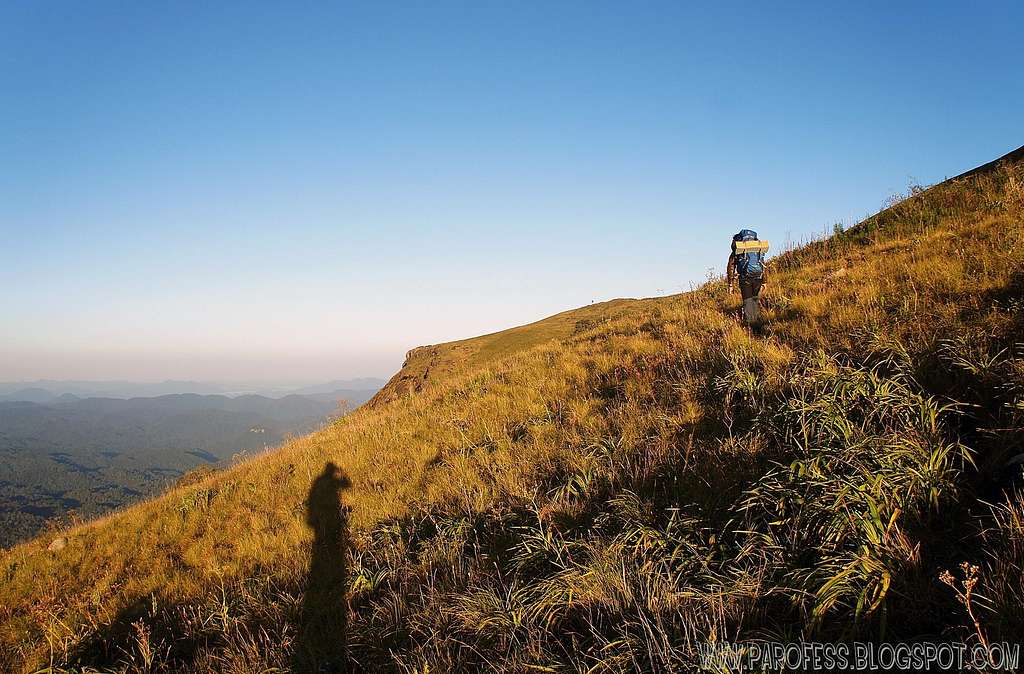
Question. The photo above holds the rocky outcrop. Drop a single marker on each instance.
(410, 379)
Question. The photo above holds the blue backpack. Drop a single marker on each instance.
(749, 265)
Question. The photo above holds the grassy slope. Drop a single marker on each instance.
(427, 363)
(599, 489)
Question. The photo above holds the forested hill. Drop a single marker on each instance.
(75, 459)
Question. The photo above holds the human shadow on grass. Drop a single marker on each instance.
(321, 645)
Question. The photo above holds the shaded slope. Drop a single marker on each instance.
(1011, 157)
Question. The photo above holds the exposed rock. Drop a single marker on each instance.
(415, 371)
(58, 544)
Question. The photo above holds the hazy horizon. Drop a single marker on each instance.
(252, 192)
(220, 368)
(266, 382)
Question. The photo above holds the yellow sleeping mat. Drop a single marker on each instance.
(751, 246)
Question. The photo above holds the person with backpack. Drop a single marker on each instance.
(746, 263)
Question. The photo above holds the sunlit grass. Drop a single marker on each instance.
(603, 489)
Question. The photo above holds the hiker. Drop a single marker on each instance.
(746, 261)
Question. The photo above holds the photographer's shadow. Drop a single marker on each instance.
(321, 645)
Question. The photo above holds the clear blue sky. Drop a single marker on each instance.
(307, 190)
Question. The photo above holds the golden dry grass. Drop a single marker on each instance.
(635, 403)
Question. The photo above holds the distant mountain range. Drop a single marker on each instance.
(60, 452)
(48, 391)
(361, 384)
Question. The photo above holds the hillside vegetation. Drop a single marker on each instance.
(602, 491)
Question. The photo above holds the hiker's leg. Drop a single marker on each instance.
(755, 302)
(747, 293)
